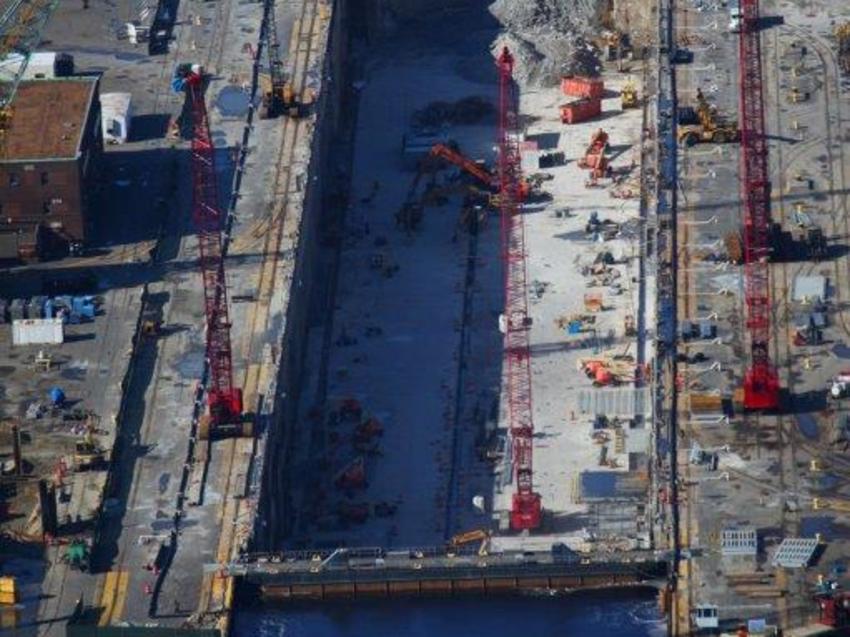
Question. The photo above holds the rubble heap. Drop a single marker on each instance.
(548, 38)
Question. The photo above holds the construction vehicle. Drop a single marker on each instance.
(711, 127)
(842, 35)
(629, 324)
(594, 156)
(831, 504)
(88, 454)
(474, 168)
(833, 608)
(629, 96)
(352, 475)
(77, 555)
(279, 95)
(477, 535)
(734, 247)
(224, 415)
(839, 386)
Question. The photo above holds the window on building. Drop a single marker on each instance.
(44, 178)
(14, 180)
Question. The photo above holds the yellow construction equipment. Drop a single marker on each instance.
(279, 95)
(832, 504)
(477, 535)
(842, 34)
(87, 453)
(629, 96)
(711, 127)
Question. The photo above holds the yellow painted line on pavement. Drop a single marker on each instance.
(121, 595)
(114, 596)
(107, 598)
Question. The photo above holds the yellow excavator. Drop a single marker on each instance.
(711, 127)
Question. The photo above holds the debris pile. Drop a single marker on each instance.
(469, 110)
(548, 38)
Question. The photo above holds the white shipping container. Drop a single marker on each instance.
(38, 332)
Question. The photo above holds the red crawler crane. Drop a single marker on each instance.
(223, 399)
(526, 505)
(761, 382)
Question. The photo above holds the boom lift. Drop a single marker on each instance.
(224, 400)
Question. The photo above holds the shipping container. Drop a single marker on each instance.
(580, 110)
(578, 86)
(38, 332)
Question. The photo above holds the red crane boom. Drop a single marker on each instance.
(761, 382)
(223, 399)
(526, 504)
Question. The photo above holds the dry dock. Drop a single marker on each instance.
(367, 346)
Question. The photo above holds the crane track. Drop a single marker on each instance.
(273, 239)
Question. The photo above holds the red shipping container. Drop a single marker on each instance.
(580, 110)
(578, 86)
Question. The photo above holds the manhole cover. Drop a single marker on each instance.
(232, 101)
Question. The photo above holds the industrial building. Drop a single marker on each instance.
(49, 164)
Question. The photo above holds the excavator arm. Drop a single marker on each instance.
(464, 163)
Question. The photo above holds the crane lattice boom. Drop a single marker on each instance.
(224, 400)
(761, 383)
(526, 505)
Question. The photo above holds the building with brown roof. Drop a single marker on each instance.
(50, 154)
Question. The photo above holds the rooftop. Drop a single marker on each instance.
(48, 118)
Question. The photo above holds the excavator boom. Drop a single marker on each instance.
(464, 163)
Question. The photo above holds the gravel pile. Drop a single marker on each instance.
(548, 37)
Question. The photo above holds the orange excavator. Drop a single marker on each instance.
(474, 168)
(464, 163)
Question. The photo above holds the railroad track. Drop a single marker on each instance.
(302, 50)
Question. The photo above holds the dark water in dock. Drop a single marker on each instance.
(628, 613)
